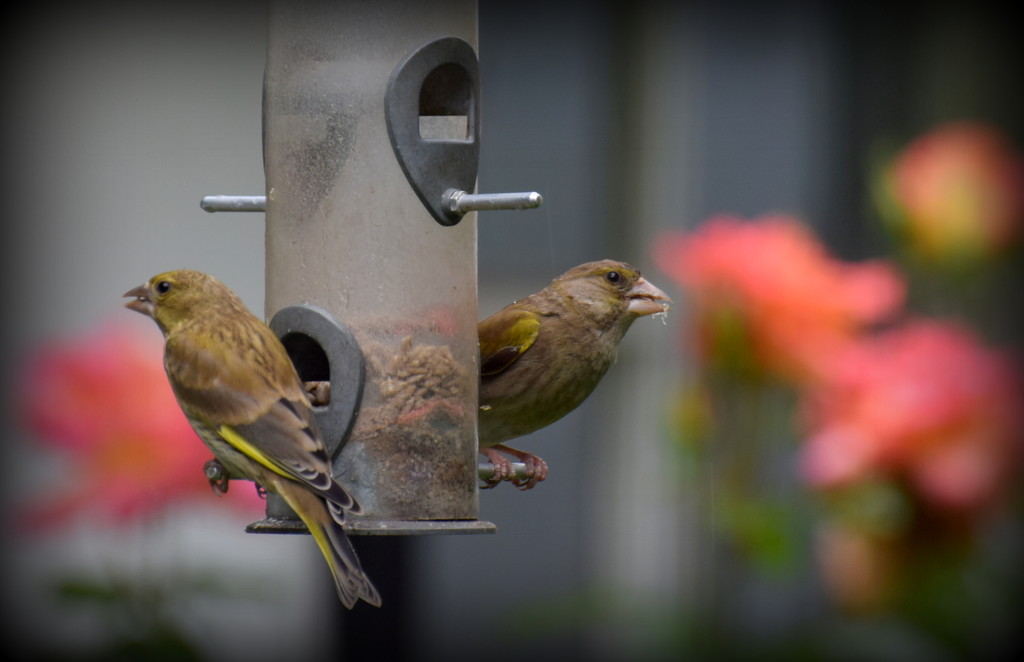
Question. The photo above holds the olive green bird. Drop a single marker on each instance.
(241, 393)
(540, 357)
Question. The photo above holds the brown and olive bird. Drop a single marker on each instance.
(242, 395)
(540, 357)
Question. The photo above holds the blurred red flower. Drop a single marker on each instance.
(105, 402)
(767, 290)
(925, 403)
(956, 193)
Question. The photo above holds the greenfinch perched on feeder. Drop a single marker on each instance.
(540, 357)
(241, 393)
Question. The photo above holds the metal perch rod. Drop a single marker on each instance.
(486, 471)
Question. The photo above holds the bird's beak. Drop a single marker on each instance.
(142, 300)
(646, 299)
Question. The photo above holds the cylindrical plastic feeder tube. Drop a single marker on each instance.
(347, 234)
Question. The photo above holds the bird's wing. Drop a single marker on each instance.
(285, 440)
(504, 337)
(266, 419)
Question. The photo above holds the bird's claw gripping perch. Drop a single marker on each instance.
(217, 476)
(535, 470)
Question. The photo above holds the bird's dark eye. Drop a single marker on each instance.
(162, 287)
(613, 276)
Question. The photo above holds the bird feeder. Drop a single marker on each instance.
(371, 139)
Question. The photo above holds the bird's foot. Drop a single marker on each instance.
(261, 491)
(217, 476)
(536, 468)
(536, 471)
(502, 468)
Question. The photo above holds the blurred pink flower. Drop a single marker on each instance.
(794, 304)
(104, 401)
(924, 403)
(956, 193)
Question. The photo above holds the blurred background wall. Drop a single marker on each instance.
(630, 118)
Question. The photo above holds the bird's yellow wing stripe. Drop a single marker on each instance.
(242, 445)
(502, 343)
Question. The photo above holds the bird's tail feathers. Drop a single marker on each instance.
(324, 521)
(338, 511)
